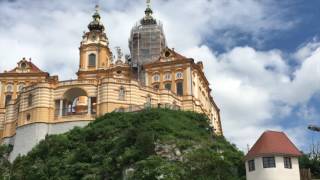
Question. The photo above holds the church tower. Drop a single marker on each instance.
(94, 49)
(147, 40)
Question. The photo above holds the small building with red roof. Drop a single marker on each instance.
(273, 157)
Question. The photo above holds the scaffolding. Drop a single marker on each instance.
(146, 42)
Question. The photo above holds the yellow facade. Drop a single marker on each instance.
(29, 95)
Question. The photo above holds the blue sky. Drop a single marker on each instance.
(262, 58)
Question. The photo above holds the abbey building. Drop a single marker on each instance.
(34, 104)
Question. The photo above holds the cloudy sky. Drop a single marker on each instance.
(262, 57)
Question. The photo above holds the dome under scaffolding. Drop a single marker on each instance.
(147, 39)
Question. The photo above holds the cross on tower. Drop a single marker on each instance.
(97, 8)
(148, 3)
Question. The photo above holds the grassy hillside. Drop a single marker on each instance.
(152, 144)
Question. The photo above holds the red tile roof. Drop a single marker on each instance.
(273, 143)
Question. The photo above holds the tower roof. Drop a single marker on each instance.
(273, 143)
(148, 19)
(95, 24)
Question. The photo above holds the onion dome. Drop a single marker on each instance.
(96, 24)
(148, 19)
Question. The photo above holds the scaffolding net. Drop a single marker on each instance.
(146, 42)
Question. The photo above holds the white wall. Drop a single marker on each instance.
(30, 135)
(278, 173)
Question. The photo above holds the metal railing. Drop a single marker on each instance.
(73, 112)
(136, 108)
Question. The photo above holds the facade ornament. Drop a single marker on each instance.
(119, 55)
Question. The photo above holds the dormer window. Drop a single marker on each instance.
(92, 60)
(23, 65)
(167, 54)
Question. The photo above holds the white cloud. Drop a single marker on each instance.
(254, 90)
(306, 50)
(50, 31)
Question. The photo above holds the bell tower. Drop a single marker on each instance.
(94, 48)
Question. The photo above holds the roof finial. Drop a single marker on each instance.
(97, 8)
(148, 11)
(148, 3)
(148, 19)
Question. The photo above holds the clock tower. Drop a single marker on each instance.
(94, 49)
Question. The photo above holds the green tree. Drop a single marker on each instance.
(4, 162)
(307, 161)
(151, 144)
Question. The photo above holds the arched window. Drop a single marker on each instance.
(9, 88)
(156, 87)
(122, 93)
(167, 86)
(179, 75)
(23, 65)
(167, 76)
(8, 99)
(30, 98)
(148, 103)
(180, 88)
(92, 60)
(121, 110)
(21, 86)
(156, 78)
(28, 117)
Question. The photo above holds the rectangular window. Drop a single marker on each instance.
(287, 162)
(180, 89)
(269, 162)
(92, 60)
(7, 100)
(251, 165)
(167, 86)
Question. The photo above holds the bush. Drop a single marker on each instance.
(152, 144)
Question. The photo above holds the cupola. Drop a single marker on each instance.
(95, 24)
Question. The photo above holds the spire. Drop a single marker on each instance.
(95, 24)
(148, 3)
(148, 19)
(148, 10)
(96, 15)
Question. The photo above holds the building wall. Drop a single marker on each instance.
(278, 173)
(24, 133)
(44, 97)
(30, 135)
(15, 80)
(102, 52)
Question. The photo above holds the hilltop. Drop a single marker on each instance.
(151, 144)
